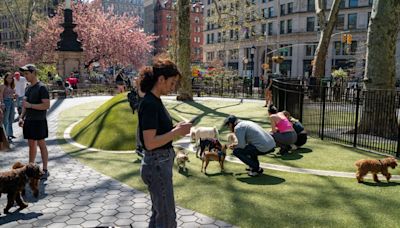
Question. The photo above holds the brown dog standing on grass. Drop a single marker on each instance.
(374, 166)
(214, 155)
(13, 183)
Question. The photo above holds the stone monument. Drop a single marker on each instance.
(69, 49)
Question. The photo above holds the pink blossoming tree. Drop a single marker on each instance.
(106, 38)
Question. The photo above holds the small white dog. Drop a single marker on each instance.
(232, 139)
(203, 133)
(181, 159)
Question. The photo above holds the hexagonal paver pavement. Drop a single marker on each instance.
(77, 196)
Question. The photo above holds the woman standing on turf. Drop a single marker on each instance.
(156, 135)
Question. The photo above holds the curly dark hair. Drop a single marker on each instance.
(161, 66)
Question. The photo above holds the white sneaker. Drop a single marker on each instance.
(293, 147)
(252, 174)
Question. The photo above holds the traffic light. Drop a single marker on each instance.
(344, 38)
(349, 38)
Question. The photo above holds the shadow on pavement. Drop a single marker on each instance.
(17, 215)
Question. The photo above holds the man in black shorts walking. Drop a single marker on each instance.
(33, 116)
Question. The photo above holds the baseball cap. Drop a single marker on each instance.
(230, 119)
(28, 67)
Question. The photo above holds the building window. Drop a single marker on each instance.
(340, 22)
(310, 24)
(263, 29)
(353, 3)
(196, 20)
(310, 5)
(310, 49)
(234, 54)
(370, 2)
(282, 27)
(283, 9)
(270, 28)
(290, 7)
(352, 20)
(270, 11)
(169, 18)
(345, 49)
(285, 49)
(210, 56)
(289, 26)
(342, 4)
(265, 12)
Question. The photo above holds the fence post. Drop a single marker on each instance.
(323, 112)
(301, 90)
(398, 136)
(356, 121)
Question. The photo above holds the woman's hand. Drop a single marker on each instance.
(182, 128)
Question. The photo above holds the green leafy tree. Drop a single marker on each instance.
(183, 57)
(380, 71)
(24, 13)
(326, 28)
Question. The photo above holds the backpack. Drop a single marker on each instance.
(133, 99)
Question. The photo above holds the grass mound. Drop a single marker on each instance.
(110, 127)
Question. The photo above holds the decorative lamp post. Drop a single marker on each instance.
(245, 62)
(252, 51)
(69, 49)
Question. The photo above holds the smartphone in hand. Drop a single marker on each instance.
(193, 120)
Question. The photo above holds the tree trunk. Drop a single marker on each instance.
(326, 33)
(379, 110)
(185, 90)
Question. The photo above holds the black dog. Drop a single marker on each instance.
(208, 143)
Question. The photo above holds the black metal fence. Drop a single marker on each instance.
(236, 87)
(367, 119)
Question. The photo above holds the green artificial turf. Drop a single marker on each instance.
(113, 127)
(275, 199)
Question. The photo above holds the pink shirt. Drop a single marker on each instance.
(284, 125)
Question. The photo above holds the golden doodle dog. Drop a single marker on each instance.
(181, 159)
(13, 183)
(374, 166)
(214, 155)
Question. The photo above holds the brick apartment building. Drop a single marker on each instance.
(165, 17)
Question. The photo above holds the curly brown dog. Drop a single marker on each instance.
(13, 183)
(374, 166)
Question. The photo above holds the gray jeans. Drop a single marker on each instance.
(285, 139)
(156, 173)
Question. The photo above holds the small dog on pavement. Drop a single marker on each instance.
(181, 159)
(13, 183)
(374, 166)
(214, 155)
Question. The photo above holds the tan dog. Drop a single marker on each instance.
(181, 159)
(374, 166)
(214, 155)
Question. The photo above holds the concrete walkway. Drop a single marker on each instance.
(78, 196)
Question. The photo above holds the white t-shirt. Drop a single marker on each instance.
(20, 86)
